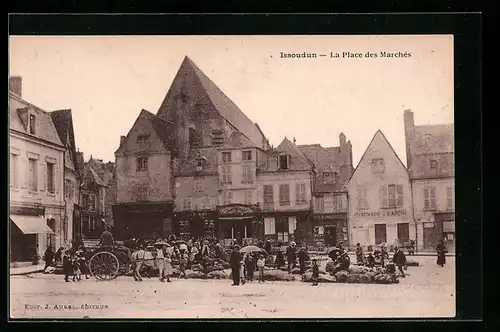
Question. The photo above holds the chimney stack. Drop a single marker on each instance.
(409, 126)
(122, 139)
(342, 139)
(16, 85)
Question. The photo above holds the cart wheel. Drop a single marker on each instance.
(104, 266)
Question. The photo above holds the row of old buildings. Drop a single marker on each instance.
(201, 167)
(54, 195)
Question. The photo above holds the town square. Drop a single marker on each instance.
(176, 180)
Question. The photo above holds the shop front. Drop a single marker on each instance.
(446, 223)
(142, 220)
(238, 222)
(330, 229)
(194, 224)
(29, 233)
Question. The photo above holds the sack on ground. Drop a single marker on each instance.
(217, 275)
(190, 274)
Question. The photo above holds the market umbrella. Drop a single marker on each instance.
(252, 248)
(161, 243)
(335, 253)
(180, 242)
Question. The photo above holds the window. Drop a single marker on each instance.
(227, 197)
(283, 161)
(430, 198)
(380, 234)
(226, 174)
(269, 226)
(142, 164)
(247, 174)
(50, 178)
(337, 203)
(13, 170)
(248, 197)
(328, 177)
(198, 185)
(247, 155)
(282, 229)
(226, 157)
(85, 201)
(284, 194)
(434, 165)
(268, 194)
(186, 203)
(32, 124)
(378, 166)
(205, 203)
(33, 175)
(300, 193)
(392, 195)
(449, 197)
(142, 139)
(217, 137)
(362, 197)
(142, 193)
(320, 203)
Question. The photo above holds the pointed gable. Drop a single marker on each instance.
(378, 149)
(192, 90)
(160, 134)
(63, 121)
(297, 159)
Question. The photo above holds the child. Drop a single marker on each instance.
(315, 272)
(260, 264)
(67, 266)
(182, 265)
(77, 274)
(82, 263)
(370, 260)
(249, 267)
(168, 266)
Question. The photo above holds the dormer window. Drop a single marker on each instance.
(142, 138)
(226, 157)
(378, 166)
(434, 165)
(32, 124)
(283, 161)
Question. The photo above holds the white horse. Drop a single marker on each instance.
(144, 258)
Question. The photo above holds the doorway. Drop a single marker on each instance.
(330, 236)
(403, 233)
(380, 234)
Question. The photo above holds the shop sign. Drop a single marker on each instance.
(379, 214)
(29, 211)
(428, 225)
(330, 216)
(236, 210)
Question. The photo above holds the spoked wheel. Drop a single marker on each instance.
(104, 266)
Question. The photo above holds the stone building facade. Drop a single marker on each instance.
(63, 121)
(431, 164)
(36, 195)
(380, 200)
(333, 168)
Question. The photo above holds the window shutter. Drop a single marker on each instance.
(288, 161)
(399, 188)
(292, 224)
(42, 176)
(433, 197)
(383, 196)
(426, 198)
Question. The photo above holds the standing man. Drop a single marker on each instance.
(235, 261)
(106, 238)
(399, 259)
(441, 253)
(291, 256)
(303, 257)
(267, 246)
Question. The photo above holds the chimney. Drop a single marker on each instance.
(16, 85)
(294, 140)
(122, 139)
(409, 126)
(342, 139)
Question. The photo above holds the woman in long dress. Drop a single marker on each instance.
(441, 253)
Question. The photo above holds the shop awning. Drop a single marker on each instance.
(31, 224)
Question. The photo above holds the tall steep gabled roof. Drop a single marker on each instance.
(164, 129)
(237, 141)
(63, 121)
(224, 106)
(433, 139)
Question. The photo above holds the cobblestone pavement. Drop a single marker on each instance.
(428, 291)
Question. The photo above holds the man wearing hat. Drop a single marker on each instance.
(235, 262)
(106, 238)
(291, 256)
(161, 255)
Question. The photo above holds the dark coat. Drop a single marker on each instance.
(399, 258)
(441, 251)
(303, 256)
(267, 247)
(291, 254)
(235, 259)
(280, 260)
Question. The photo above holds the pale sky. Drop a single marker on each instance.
(107, 80)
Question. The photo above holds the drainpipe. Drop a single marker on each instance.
(413, 215)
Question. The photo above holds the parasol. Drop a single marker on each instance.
(180, 242)
(161, 243)
(335, 253)
(252, 248)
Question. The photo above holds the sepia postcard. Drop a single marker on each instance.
(232, 177)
